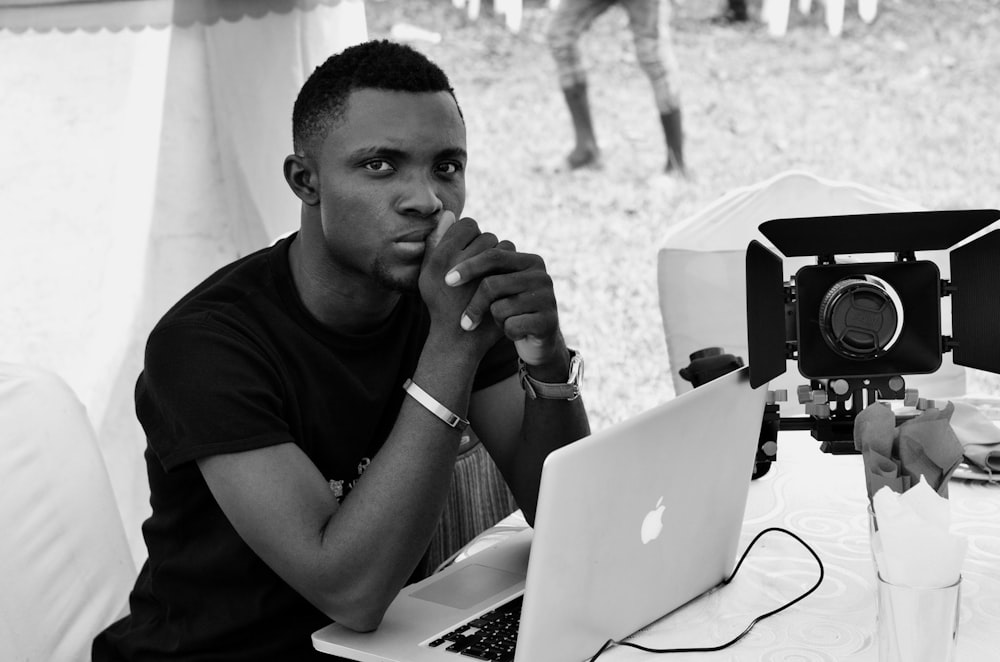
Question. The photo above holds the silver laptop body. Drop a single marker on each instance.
(632, 522)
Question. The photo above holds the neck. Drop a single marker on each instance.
(338, 301)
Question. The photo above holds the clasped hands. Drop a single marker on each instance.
(482, 288)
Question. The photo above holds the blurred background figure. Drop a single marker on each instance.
(735, 11)
(654, 54)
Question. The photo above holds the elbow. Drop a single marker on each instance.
(361, 622)
(361, 612)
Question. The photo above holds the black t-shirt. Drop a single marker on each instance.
(239, 364)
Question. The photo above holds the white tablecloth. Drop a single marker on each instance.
(822, 499)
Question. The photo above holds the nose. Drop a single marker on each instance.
(420, 196)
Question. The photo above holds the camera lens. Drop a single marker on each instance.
(860, 317)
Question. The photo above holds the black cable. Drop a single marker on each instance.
(710, 649)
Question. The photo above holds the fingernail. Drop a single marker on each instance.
(467, 323)
(452, 277)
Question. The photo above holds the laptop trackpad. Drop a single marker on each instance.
(467, 587)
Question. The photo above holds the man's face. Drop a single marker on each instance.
(387, 170)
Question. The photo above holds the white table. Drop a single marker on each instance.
(822, 499)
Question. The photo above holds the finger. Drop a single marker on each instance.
(496, 292)
(502, 296)
(531, 349)
(450, 236)
(484, 242)
(501, 259)
(532, 334)
(480, 244)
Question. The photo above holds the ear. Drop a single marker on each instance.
(302, 178)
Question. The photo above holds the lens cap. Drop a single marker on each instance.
(860, 317)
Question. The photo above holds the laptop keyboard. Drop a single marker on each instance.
(489, 637)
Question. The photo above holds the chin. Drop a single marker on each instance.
(408, 287)
(400, 280)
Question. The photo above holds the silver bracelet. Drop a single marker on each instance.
(450, 418)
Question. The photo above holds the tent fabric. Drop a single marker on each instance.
(65, 565)
(136, 163)
(95, 15)
(701, 270)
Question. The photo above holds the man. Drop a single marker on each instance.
(359, 344)
(571, 19)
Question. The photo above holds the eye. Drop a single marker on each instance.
(378, 165)
(449, 168)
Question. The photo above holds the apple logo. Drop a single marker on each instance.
(652, 524)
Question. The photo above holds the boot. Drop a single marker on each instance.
(735, 12)
(586, 152)
(674, 133)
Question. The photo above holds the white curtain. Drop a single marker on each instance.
(141, 146)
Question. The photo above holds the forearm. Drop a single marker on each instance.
(380, 532)
(548, 425)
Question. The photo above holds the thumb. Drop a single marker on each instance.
(446, 221)
(530, 349)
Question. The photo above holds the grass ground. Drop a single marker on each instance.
(907, 105)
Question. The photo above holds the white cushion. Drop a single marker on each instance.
(65, 566)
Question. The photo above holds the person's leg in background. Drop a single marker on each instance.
(570, 20)
(734, 12)
(655, 54)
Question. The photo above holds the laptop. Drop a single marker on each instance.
(632, 522)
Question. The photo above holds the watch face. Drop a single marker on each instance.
(575, 368)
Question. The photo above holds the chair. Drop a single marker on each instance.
(775, 14)
(478, 499)
(65, 565)
(511, 10)
(701, 271)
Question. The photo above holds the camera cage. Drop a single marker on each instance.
(855, 329)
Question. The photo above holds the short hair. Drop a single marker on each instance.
(380, 65)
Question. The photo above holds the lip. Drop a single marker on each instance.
(415, 236)
(411, 249)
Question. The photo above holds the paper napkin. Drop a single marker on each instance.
(979, 436)
(924, 447)
(913, 544)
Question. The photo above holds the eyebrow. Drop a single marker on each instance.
(453, 153)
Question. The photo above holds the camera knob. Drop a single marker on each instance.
(840, 386)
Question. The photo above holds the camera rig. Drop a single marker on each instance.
(856, 329)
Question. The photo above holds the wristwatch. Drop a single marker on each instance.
(568, 391)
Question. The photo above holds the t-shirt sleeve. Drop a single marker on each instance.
(499, 363)
(207, 390)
